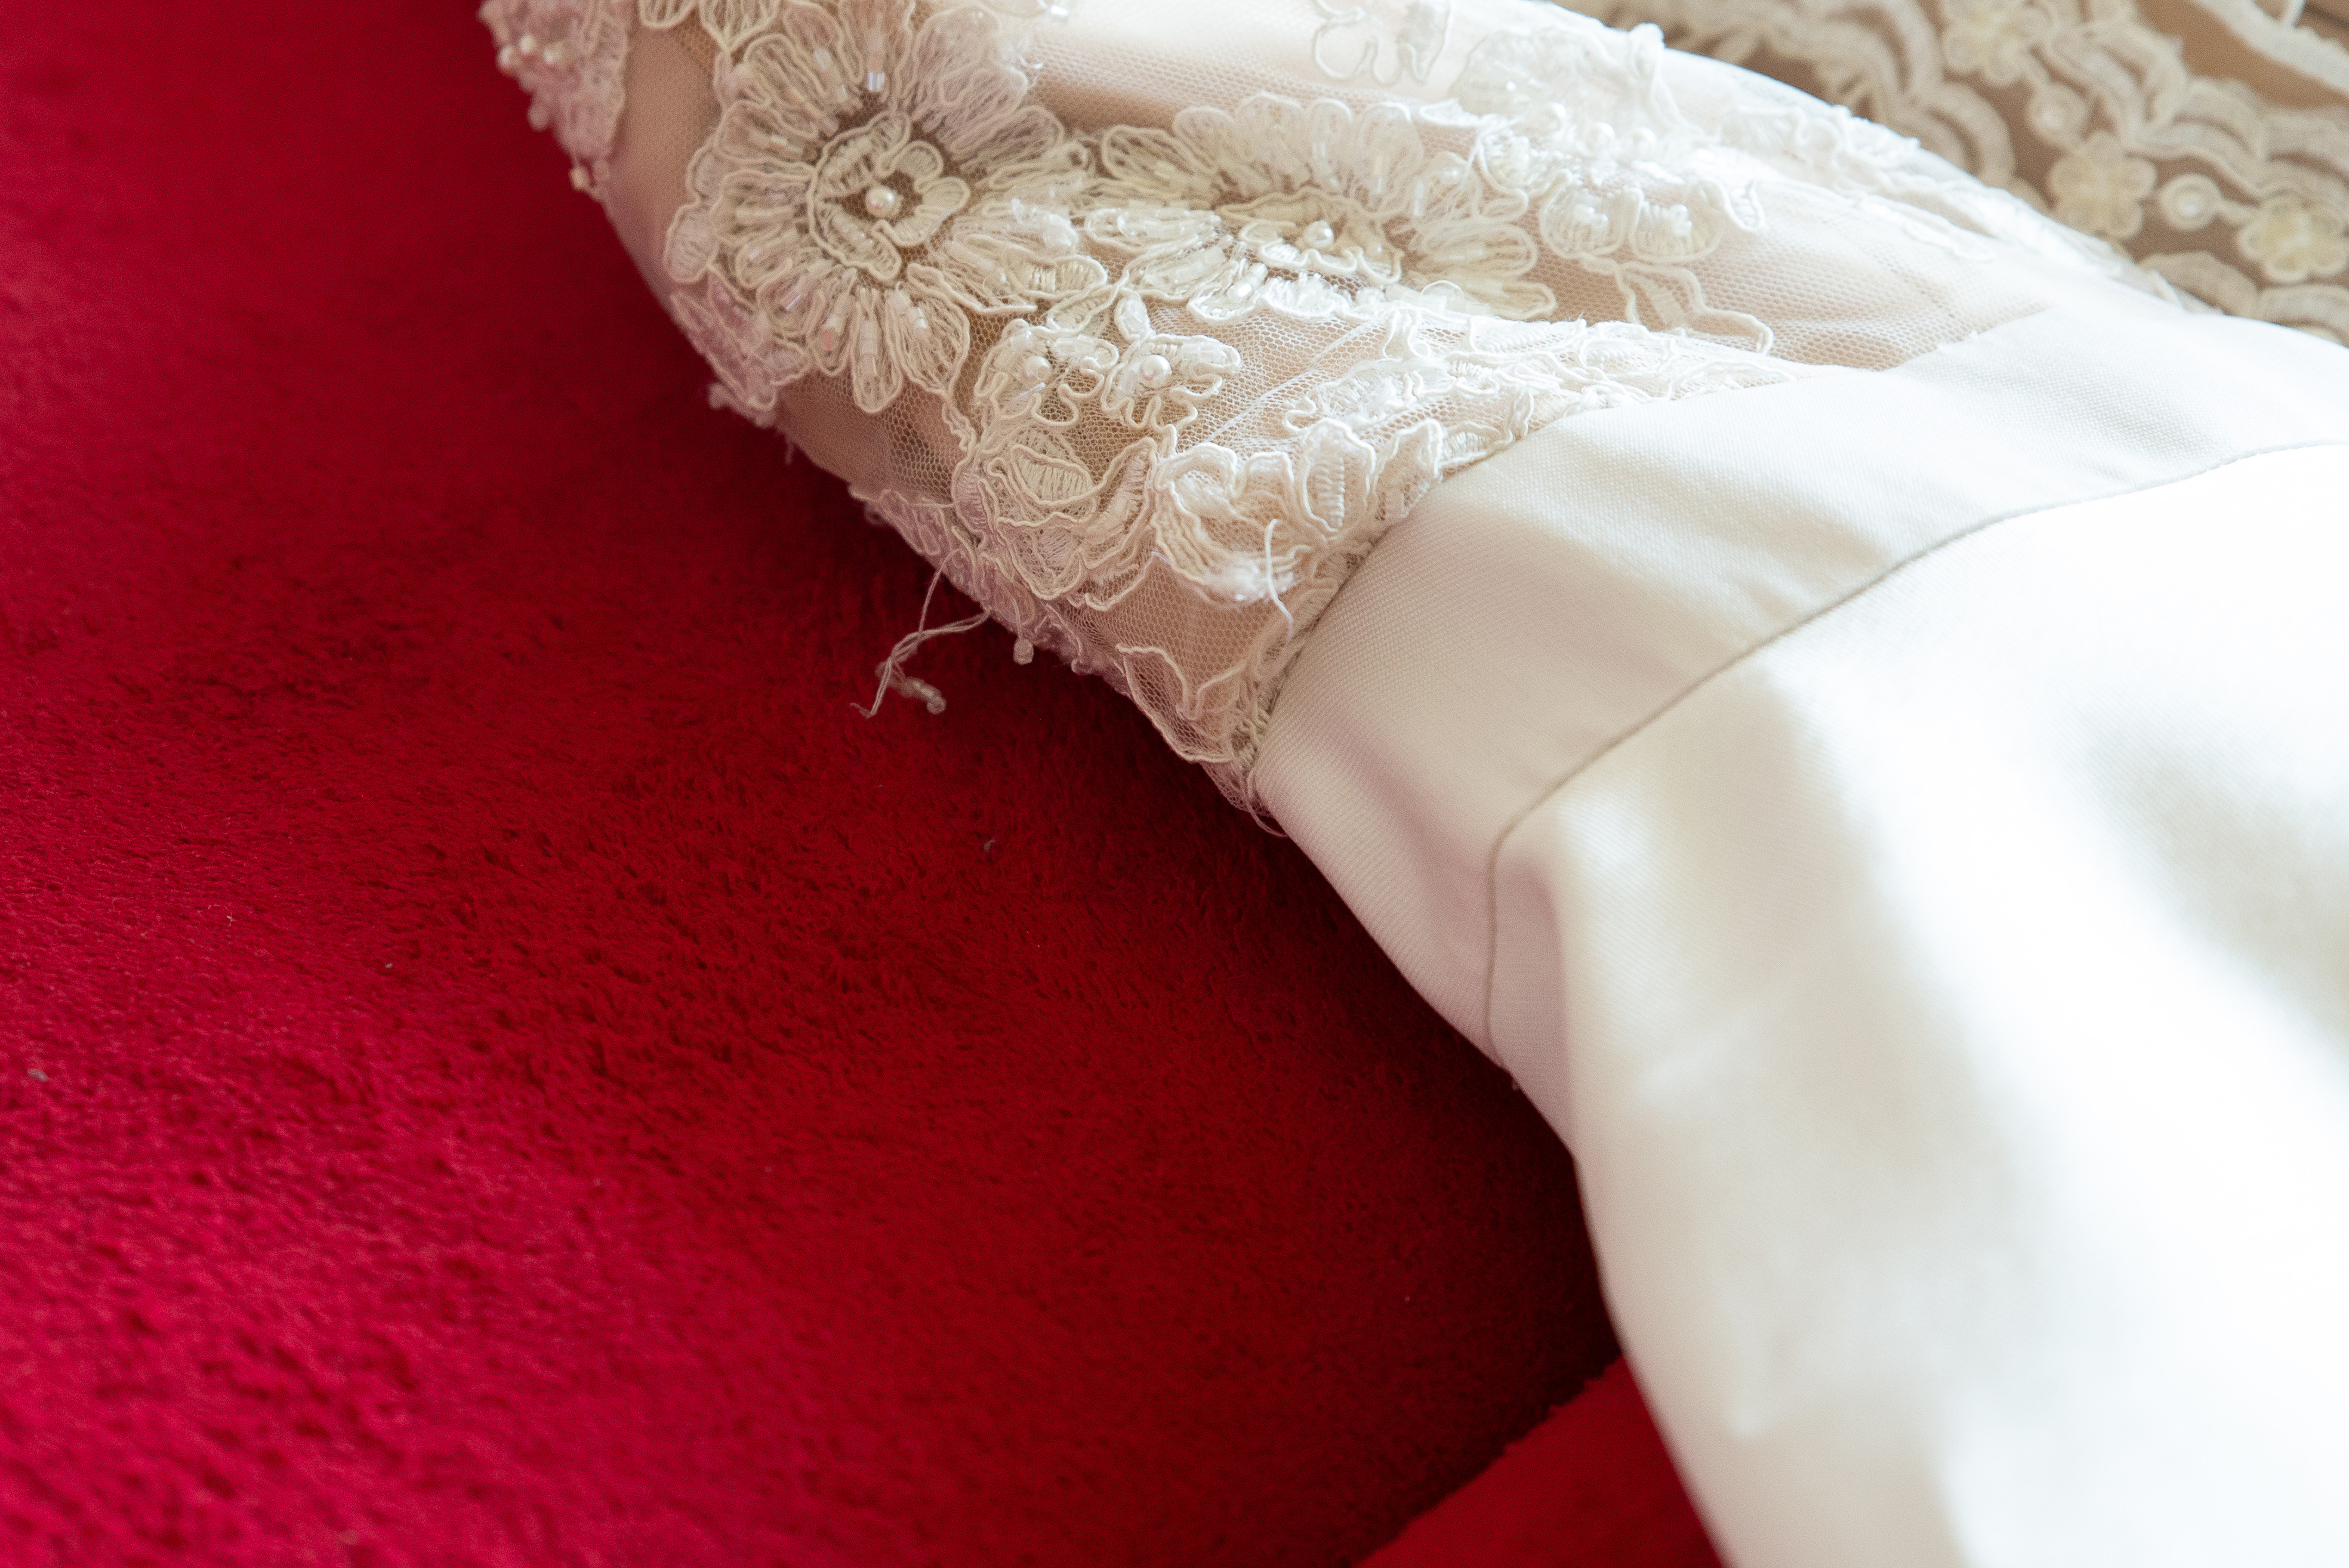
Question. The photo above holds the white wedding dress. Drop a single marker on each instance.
(1838, 682)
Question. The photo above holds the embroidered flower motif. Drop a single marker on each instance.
(1414, 31)
(2219, 149)
(1307, 208)
(1051, 371)
(1245, 527)
(1627, 182)
(878, 193)
(1067, 529)
(1051, 392)
(2294, 242)
(2191, 200)
(1044, 373)
(1586, 87)
(2099, 187)
(880, 205)
(1161, 378)
(2058, 114)
(1581, 223)
(1645, 235)
(1993, 39)
(847, 143)
(727, 22)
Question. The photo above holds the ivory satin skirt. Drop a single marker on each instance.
(1896, 827)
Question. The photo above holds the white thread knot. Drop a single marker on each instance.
(891, 670)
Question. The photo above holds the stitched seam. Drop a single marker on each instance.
(1543, 797)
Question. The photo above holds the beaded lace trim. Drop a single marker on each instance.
(568, 55)
(1150, 393)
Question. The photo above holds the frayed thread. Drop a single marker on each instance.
(891, 670)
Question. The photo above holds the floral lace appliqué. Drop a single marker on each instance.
(847, 143)
(1150, 393)
(1304, 208)
(883, 208)
(1386, 42)
(568, 55)
(2086, 109)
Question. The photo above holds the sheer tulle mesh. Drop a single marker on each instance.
(669, 113)
(1143, 322)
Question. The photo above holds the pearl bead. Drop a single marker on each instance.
(883, 201)
(1152, 370)
(1319, 236)
(1034, 368)
(527, 44)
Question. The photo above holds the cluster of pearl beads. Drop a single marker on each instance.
(554, 52)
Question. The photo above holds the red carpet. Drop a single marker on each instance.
(499, 1065)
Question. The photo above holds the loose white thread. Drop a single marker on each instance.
(891, 670)
(1272, 583)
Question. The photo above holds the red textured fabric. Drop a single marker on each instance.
(499, 1065)
(1592, 1484)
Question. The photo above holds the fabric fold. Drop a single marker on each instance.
(1895, 839)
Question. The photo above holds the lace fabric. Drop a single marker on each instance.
(2208, 138)
(1144, 325)
(569, 58)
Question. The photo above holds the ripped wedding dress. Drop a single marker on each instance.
(1836, 679)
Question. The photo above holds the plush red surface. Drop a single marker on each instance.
(1591, 1485)
(499, 1065)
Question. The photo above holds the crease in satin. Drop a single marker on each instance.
(1533, 804)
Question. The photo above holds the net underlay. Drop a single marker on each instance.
(1142, 323)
